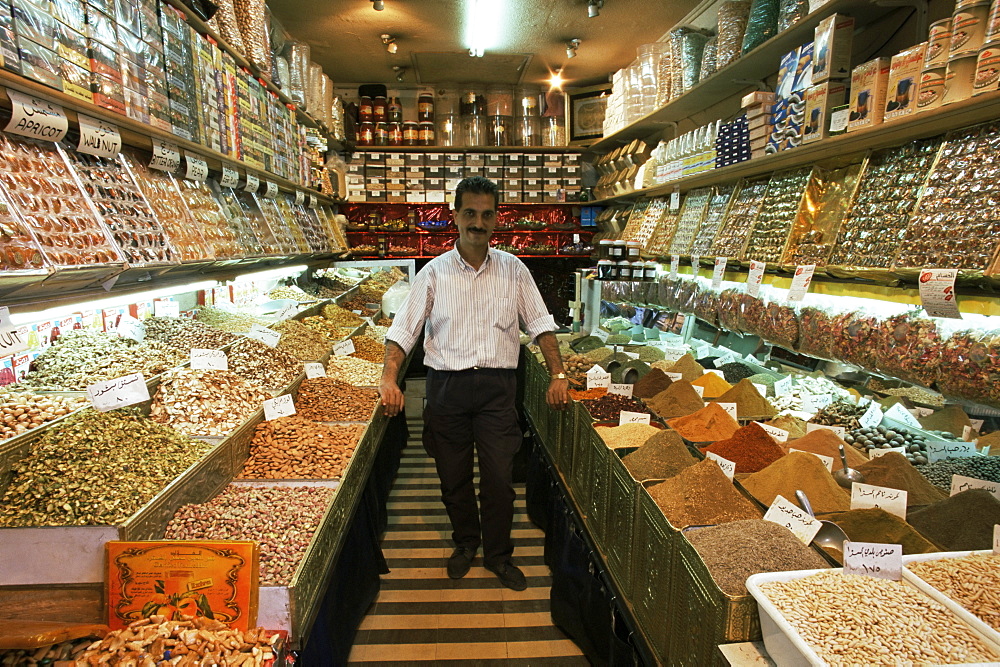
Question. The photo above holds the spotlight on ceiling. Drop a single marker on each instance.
(390, 43)
(594, 8)
(571, 47)
(400, 72)
(378, 5)
(556, 80)
(476, 52)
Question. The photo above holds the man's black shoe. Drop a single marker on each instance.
(460, 562)
(509, 575)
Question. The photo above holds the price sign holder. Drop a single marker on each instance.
(937, 292)
(779, 434)
(205, 359)
(728, 467)
(719, 272)
(315, 370)
(230, 177)
(620, 389)
(598, 378)
(626, 417)
(730, 408)
(36, 118)
(166, 156)
(119, 392)
(961, 483)
(801, 281)
(197, 168)
(344, 348)
(884, 561)
(875, 453)
(131, 328)
(98, 137)
(279, 406)
(300, 198)
(252, 184)
(675, 265)
(754, 277)
(826, 460)
(867, 496)
(795, 519)
(268, 337)
(165, 308)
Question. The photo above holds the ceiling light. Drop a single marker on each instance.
(390, 43)
(378, 5)
(556, 80)
(400, 72)
(483, 25)
(571, 47)
(594, 8)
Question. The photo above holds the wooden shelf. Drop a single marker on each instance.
(740, 76)
(979, 109)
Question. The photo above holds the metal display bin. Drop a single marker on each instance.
(653, 564)
(623, 494)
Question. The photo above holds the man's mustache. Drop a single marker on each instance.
(477, 229)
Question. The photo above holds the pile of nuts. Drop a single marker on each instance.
(377, 332)
(358, 372)
(297, 448)
(231, 322)
(96, 469)
(369, 349)
(342, 317)
(973, 581)
(301, 341)
(289, 292)
(30, 657)
(199, 641)
(185, 334)
(333, 332)
(20, 412)
(328, 399)
(206, 403)
(281, 519)
(262, 365)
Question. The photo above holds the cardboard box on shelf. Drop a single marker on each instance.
(757, 98)
(832, 48)
(820, 101)
(868, 88)
(904, 76)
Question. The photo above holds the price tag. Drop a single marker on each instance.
(754, 277)
(923, 412)
(968, 434)
(728, 467)
(867, 496)
(937, 292)
(166, 156)
(795, 519)
(672, 354)
(131, 328)
(602, 334)
(725, 359)
(315, 370)
(800, 283)
(165, 308)
(98, 137)
(695, 263)
(674, 377)
(312, 202)
(840, 431)
(703, 351)
(872, 416)
(369, 321)
(960, 483)
(816, 402)
(119, 392)
(783, 386)
(875, 453)
(863, 401)
(730, 408)
(996, 538)
(279, 406)
(598, 378)
(675, 265)
(344, 348)
(884, 561)
(717, 372)
(898, 413)
(719, 272)
(675, 200)
(620, 389)
(5, 317)
(270, 189)
(269, 337)
(938, 451)
(14, 339)
(631, 355)
(36, 118)
(699, 390)
(209, 360)
(752, 359)
(197, 169)
(779, 434)
(300, 198)
(230, 177)
(626, 417)
(976, 423)
(252, 184)
(826, 460)
(761, 389)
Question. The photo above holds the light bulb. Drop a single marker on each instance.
(378, 5)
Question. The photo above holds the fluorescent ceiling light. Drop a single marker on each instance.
(484, 25)
(273, 274)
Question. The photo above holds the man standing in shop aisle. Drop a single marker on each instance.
(470, 303)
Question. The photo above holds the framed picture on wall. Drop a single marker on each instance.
(586, 113)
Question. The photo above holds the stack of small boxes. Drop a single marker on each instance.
(180, 78)
(831, 66)
(417, 178)
(34, 26)
(794, 77)
(758, 108)
(732, 144)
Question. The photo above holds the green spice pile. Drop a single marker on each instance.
(96, 468)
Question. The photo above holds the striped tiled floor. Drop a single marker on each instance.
(421, 616)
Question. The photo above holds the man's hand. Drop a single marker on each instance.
(558, 394)
(392, 398)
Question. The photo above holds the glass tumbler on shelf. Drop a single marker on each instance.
(474, 130)
(449, 130)
(649, 72)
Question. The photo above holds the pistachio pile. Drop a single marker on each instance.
(96, 468)
(301, 341)
(354, 371)
(282, 520)
(231, 322)
(20, 412)
(369, 349)
(262, 365)
(206, 403)
(185, 334)
(342, 317)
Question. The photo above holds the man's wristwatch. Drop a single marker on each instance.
(560, 376)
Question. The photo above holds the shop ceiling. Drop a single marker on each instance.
(526, 40)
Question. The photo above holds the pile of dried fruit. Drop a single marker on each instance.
(207, 403)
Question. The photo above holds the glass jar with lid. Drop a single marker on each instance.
(472, 102)
(553, 131)
(395, 134)
(624, 270)
(639, 271)
(449, 130)
(379, 108)
(366, 112)
(499, 131)
(604, 249)
(425, 107)
(633, 248)
(528, 131)
(425, 134)
(607, 270)
(394, 111)
(366, 134)
(474, 130)
(411, 133)
(618, 250)
(649, 271)
(381, 136)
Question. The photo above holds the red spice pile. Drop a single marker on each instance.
(750, 448)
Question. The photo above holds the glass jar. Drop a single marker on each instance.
(379, 105)
(649, 271)
(607, 270)
(381, 134)
(500, 130)
(425, 107)
(366, 134)
(365, 110)
(604, 249)
(553, 131)
(639, 271)
(472, 103)
(425, 134)
(474, 130)
(633, 248)
(624, 270)
(528, 131)
(526, 105)
(395, 134)
(395, 110)
(618, 250)
(449, 130)
(411, 133)
(499, 101)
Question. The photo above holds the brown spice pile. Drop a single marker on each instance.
(892, 470)
(690, 369)
(799, 470)
(734, 551)
(609, 407)
(701, 494)
(330, 400)
(878, 526)
(677, 400)
(951, 418)
(796, 427)
(626, 435)
(661, 457)
(651, 384)
(709, 424)
(824, 441)
(750, 448)
(963, 522)
(749, 403)
(713, 385)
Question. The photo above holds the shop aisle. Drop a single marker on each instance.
(421, 615)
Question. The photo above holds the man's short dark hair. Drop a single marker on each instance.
(477, 185)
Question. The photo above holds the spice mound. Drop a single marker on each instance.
(330, 400)
(893, 621)
(262, 365)
(750, 448)
(799, 470)
(713, 385)
(677, 400)
(651, 384)
(895, 472)
(626, 435)
(973, 581)
(609, 407)
(300, 341)
(701, 494)
(825, 442)
(876, 525)
(281, 519)
(661, 457)
(687, 367)
(749, 403)
(96, 469)
(951, 418)
(796, 427)
(981, 467)
(20, 412)
(709, 424)
(206, 403)
(159, 639)
(963, 522)
(736, 550)
(297, 448)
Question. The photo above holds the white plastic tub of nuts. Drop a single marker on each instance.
(986, 593)
(867, 622)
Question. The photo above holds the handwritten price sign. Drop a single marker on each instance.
(36, 118)
(119, 392)
(884, 561)
(797, 520)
